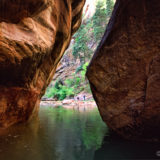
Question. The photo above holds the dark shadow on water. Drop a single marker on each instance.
(116, 148)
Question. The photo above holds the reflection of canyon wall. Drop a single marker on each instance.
(125, 71)
(33, 37)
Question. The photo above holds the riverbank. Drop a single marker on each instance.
(70, 104)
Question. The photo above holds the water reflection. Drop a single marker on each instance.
(58, 134)
(70, 134)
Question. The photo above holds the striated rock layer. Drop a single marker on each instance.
(33, 37)
(124, 73)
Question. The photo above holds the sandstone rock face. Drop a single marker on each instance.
(33, 37)
(124, 73)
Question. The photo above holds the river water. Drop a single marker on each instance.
(69, 134)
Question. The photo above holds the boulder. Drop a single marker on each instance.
(33, 37)
(124, 73)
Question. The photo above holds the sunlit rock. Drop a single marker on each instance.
(33, 37)
(124, 73)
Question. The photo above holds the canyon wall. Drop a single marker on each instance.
(124, 73)
(33, 37)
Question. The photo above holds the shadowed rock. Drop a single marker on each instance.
(33, 37)
(124, 73)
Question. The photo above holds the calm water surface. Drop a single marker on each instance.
(68, 134)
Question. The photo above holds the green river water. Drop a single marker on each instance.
(70, 134)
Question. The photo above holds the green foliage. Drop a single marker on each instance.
(84, 70)
(99, 20)
(70, 87)
(59, 91)
(92, 29)
(80, 48)
(69, 82)
(63, 92)
(79, 69)
(109, 7)
(87, 37)
(51, 92)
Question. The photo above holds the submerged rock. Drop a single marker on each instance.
(124, 73)
(33, 37)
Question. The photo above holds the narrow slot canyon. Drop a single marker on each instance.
(79, 79)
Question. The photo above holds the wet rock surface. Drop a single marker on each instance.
(124, 73)
(33, 37)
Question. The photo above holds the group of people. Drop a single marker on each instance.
(78, 98)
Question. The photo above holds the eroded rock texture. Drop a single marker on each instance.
(33, 37)
(125, 71)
